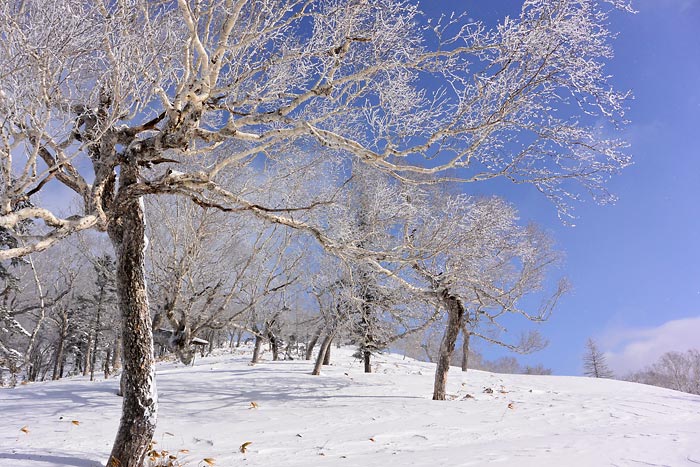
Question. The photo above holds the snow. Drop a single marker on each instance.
(347, 418)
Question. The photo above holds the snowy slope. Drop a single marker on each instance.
(347, 418)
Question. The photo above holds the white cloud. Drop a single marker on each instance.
(629, 350)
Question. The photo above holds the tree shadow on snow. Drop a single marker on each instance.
(222, 388)
(41, 460)
(61, 395)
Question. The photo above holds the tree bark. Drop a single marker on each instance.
(367, 359)
(455, 313)
(117, 354)
(323, 352)
(327, 353)
(212, 336)
(275, 350)
(465, 348)
(140, 406)
(96, 337)
(42, 311)
(61, 344)
(258, 345)
(105, 365)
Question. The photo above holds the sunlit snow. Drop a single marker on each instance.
(347, 418)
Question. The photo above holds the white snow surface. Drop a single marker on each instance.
(347, 418)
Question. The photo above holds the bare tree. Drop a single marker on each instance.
(30, 294)
(479, 264)
(594, 362)
(674, 370)
(117, 100)
(538, 369)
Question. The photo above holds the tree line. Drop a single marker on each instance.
(675, 370)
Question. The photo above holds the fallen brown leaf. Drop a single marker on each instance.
(244, 446)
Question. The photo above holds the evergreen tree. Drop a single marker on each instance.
(594, 364)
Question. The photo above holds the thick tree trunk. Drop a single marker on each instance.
(465, 348)
(323, 352)
(140, 406)
(367, 359)
(455, 313)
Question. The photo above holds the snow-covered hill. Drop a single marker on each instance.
(348, 418)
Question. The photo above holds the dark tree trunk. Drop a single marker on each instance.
(312, 343)
(60, 351)
(367, 359)
(465, 348)
(31, 370)
(274, 343)
(269, 332)
(78, 361)
(96, 337)
(368, 322)
(140, 406)
(34, 365)
(455, 314)
(275, 351)
(257, 347)
(212, 336)
(105, 366)
(323, 352)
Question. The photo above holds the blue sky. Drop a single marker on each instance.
(635, 265)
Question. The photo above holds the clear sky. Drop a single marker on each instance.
(634, 266)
